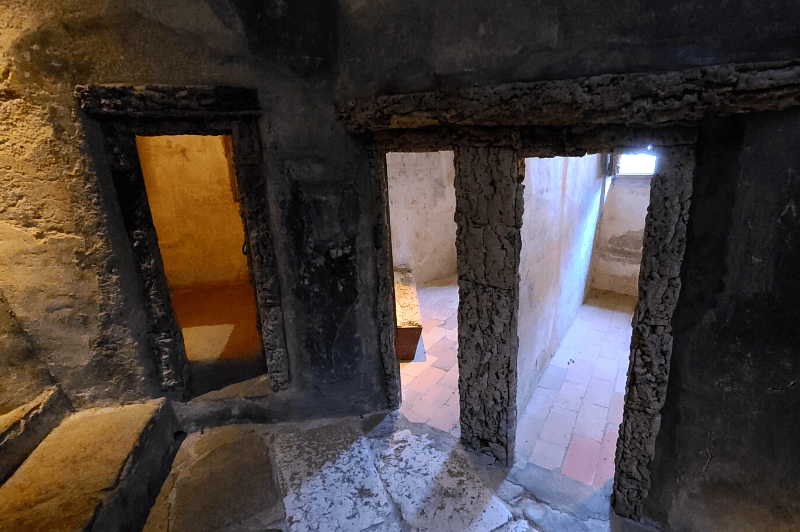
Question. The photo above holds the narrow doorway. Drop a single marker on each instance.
(579, 316)
(421, 214)
(194, 201)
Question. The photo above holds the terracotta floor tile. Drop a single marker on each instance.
(605, 463)
(599, 392)
(548, 455)
(451, 323)
(433, 399)
(604, 472)
(430, 324)
(450, 379)
(412, 369)
(580, 371)
(426, 380)
(553, 378)
(410, 396)
(541, 401)
(454, 400)
(591, 421)
(444, 418)
(580, 461)
(570, 396)
(447, 360)
(528, 430)
(430, 338)
(442, 346)
(558, 426)
(605, 368)
(414, 416)
(615, 409)
(564, 357)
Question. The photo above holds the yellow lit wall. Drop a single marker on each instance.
(193, 201)
(191, 198)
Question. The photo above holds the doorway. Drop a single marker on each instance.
(195, 205)
(422, 202)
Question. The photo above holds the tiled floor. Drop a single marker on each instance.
(430, 381)
(570, 425)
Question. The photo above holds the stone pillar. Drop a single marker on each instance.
(651, 342)
(488, 186)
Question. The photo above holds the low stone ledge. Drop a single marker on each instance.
(22, 429)
(99, 470)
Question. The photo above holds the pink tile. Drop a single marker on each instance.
(580, 371)
(599, 392)
(450, 379)
(434, 398)
(548, 454)
(605, 368)
(430, 324)
(528, 430)
(615, 409)
(571, 396)
(410, 396)
(414, 416)
(604, 472)
(426, 380)
(581, 460)
(553, 377)
(605, 464)
(591, 421)
(558, 427)
(444, 418)
(609, 443)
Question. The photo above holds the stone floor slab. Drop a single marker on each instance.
(329, 481)
(222, 481)
(434, 486)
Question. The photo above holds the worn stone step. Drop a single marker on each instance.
(99, 470)
(222, 480)
(22, 429)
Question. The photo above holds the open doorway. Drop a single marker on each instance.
(421, 206)
(195, 205)
(582, 237)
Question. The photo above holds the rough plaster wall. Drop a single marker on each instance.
(398, 46)
(422, 201)
(618, 250)
(65, 262)
(562, 197)
(489, 216)
(726, 456)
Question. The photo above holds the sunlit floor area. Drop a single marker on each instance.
(567, 436)
(430, 381)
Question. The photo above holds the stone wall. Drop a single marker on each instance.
(617, 253)
(726, 455)
(66, 265)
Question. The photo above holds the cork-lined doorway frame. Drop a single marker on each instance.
(491, 130)
(125, 112)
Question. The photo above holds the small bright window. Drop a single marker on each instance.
(639, 164)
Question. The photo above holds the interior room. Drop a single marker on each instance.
(151, 382)
(194, 201)
(582, 236)
(422, 202)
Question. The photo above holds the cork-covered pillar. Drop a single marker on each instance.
(488, 186)
(651, 342)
